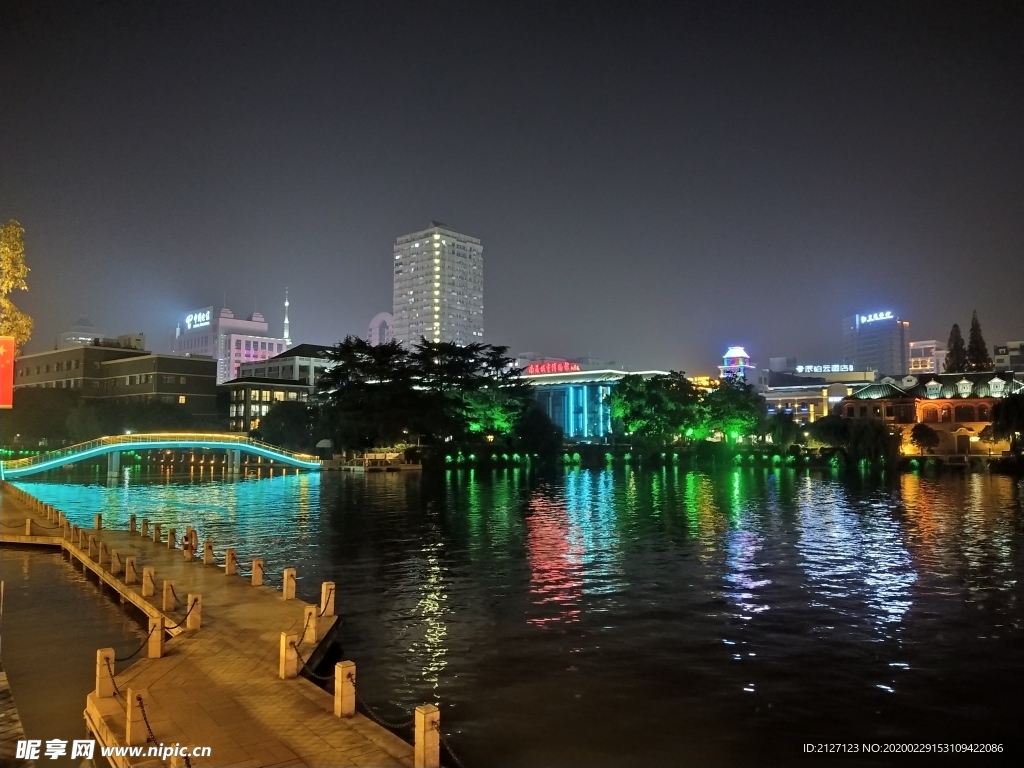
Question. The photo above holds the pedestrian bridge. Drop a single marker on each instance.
(235, 445)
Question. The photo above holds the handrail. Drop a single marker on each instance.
(186, 439)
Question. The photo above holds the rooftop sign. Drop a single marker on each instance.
(535, 368)
(198, 319)
(876, 316)
(834, 368)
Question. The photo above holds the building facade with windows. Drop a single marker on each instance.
(1009, 356)
(109, 373)
(438, 287)
(926, 357)
(251, 398)
(958, 406)
(304, 363)
(576, 400)
(229, 340)
(876, 341)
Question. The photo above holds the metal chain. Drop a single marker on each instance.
(175, 626)
(302, 637)
(112, 680)
(176, 598)
(145, 719)
(135, 653)
(448, 747)
(374, 716)
(305, 663)
(188, 763)
(324, 609)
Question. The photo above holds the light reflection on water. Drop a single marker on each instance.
(790, 604)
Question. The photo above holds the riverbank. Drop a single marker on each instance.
(227, 678)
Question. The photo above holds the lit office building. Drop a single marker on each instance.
(926, 357)
(229, 340)
(438, 287)
(876, 341)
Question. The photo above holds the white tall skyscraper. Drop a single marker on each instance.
(439, 287)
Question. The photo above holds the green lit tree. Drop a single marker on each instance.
(833, 431)
(735, 409)
(784, 430)
(924, 438)
(663, 409)
(956, 356)
(977, 350)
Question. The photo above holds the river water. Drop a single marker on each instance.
(663, 617)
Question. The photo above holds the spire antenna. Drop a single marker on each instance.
(287, 330)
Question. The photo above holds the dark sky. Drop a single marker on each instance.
(651, 182)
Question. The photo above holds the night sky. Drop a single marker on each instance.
(651, 182)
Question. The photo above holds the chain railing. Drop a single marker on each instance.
(447, 746)
(185, 617)
(136, 651)
(145, 719)
(110, 671)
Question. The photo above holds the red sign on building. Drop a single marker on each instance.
(535, 368)
(6, 371)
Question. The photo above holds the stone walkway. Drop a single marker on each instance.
(218, 686)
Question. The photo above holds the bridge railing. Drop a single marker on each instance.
(154, 437)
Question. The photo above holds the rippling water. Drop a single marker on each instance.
(644, 617)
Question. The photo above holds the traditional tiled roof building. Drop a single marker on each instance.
(958, 406)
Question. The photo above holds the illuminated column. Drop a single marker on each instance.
(113, 463)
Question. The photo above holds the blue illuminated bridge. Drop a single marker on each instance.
(233, 445)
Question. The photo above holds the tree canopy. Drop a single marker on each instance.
(977, 350)
(376, 395)
(1008, 420)
(734, 408)
(13, 272)
(956, 354)
(924, 438)
(665, 407)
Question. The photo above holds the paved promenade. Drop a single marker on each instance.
(217, 686)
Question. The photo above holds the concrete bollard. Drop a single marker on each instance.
(157, 536)
(135, 732)
(327, 598)
(288, 665)
(230, 562)
(148, 581)
(144, 531)
(132, 527)
(194, 540)
(104, 555)
(288, 587)
(28, 526)
(92, 547)
(186, 550)
(309, 624)
(104, 684)
(155, 644)
(195, 611)
(257, 572)
(344, 689)
(97, 521)
(131, 574)
(66, 531)
(426, 747)
(172, 535)
(115, 562)
(187, 537)
(79, 536)
(168, 596)
(178, 759)
(207, 552)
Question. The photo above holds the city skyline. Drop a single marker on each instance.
(735, 177)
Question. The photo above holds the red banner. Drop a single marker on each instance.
(6, 371)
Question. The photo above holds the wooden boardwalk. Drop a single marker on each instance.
(217, 686)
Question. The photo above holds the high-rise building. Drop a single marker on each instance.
(381, 327)
(439, 287)
(229, 340)
(876, 341)
(1009, 356)
(926, 357)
